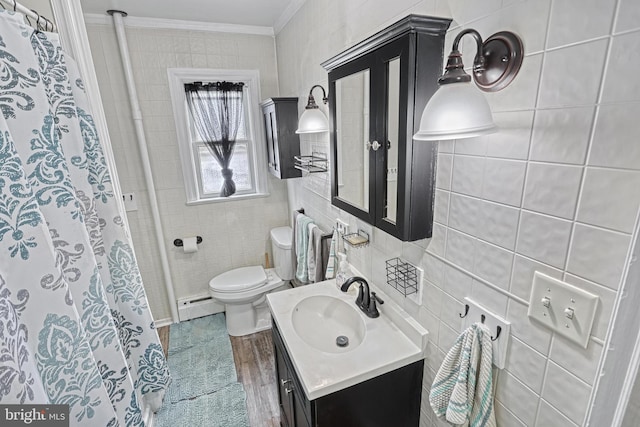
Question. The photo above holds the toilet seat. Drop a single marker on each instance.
(239, 280)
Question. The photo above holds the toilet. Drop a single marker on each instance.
(243, 290)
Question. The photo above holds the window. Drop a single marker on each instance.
(202, 172)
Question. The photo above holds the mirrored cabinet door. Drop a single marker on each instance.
(390, 212)
(377, 91)
(352, 102)
(352, 138)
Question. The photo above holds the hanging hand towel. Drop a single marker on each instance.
(463, 388)
(302, 243)
(332, 262)
(311, 252)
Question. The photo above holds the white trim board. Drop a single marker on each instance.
(176, 24)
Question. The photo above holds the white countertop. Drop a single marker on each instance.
(392, 341)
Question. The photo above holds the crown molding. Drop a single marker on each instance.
(175, 24)
(287, 14)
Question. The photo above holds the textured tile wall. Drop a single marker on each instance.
(235, 233)
(554, 191)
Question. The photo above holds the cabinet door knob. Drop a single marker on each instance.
(284, 382)
(373, 145)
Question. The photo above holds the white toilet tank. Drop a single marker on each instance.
(281, 238)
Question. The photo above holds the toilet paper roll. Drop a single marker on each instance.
(190, 244)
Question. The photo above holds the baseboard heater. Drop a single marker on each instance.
(198, 306)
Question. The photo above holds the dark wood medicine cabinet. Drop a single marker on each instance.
(377, 92)
(280, 123)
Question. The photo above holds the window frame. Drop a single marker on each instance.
(187, 146)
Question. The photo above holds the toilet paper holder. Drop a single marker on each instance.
(179, 243)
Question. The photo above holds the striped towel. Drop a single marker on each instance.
(301, 246)
(332, 262)
(463, 388)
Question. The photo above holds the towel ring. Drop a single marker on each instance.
(482, 319)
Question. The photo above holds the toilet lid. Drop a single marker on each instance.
(240, 279)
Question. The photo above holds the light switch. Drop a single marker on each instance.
(564, 308)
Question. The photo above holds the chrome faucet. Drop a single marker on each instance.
(366, 301)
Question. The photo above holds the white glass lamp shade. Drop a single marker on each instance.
(455, 111)
(313, 120)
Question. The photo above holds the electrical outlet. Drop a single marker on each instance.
(342, 227)
(130, 203)
(564, 308)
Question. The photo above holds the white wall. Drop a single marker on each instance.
(236, 233)
(43, 7)
(555, 190)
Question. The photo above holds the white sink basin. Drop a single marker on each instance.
(310, 318)
(320, 320)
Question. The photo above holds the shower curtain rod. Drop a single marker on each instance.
(18, 7)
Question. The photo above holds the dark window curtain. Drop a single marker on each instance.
(217, 109)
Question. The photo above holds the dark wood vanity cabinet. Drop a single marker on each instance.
(391, 399)
(280, 123)
(377, 92)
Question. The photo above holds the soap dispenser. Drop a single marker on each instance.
(343, 268)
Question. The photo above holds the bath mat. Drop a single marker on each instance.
(204, 389)
(223, 408)
(185, 335)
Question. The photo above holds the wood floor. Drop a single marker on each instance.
(255, 365)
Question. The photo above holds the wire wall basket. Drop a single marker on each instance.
(402, 276)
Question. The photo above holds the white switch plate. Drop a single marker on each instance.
(563, 296)
(130, 203)
(501, 344)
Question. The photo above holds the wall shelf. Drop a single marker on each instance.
(316, 162)
(357, 240)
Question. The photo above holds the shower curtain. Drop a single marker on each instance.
(75, 326)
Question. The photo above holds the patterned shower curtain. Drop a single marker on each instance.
(75, 326)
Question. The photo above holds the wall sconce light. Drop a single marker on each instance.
(458, 110)
(312, 119)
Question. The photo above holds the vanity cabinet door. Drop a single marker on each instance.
(280, 123)
(284, 391)
(390, 399)
(295, 408)
(377, 92)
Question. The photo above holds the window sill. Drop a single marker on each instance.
(228, 199)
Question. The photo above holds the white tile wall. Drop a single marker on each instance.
(616, 129)
(558, 90)
(523, 270)
(620, 84)
(552, 189)
(516, 396)
(234, 234)
(562, 135)
(526, 364)
(593, 21)
(628, 16)
(507, 204)
(598, 255)
(562, 386)
(503, 181)
(512, 141)
(548, 416)
(544, 238)
(610, 209)
(521, 200)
